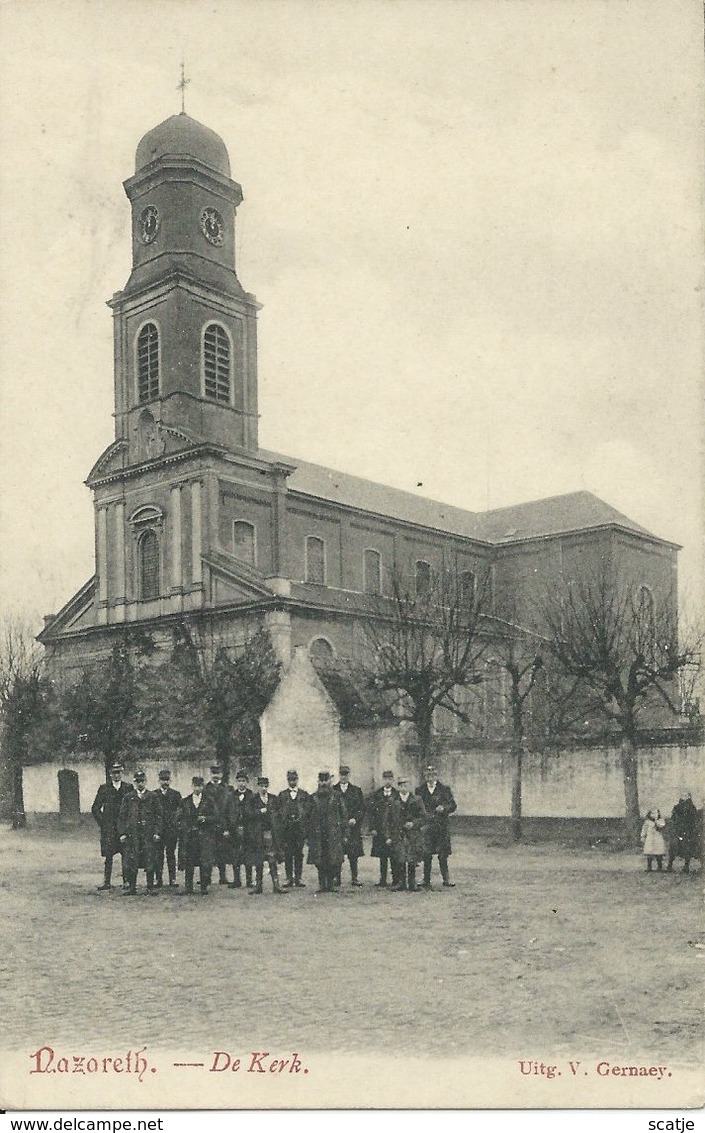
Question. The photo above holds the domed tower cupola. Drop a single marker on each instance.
(183, 202)
(185, 327)
(183, 135)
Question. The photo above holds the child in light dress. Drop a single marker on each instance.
(653, 841)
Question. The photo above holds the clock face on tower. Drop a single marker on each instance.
(149, 224)
(212, 226)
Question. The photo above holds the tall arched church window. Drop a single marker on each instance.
(372, 572)
(422, 577)
(216, 363)
(315, 560)
(149, 565)
(244, 543)
(148, 362)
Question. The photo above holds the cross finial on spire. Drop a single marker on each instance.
(182, 87)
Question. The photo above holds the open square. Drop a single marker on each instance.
(539, 951)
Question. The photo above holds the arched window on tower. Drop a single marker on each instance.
(148, 362)
(244, 543)
(216, 363)
(149, 565)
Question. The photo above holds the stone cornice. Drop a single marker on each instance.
(196, 451)
(182, 167)
(174, 277)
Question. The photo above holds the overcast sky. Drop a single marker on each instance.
(475, 229)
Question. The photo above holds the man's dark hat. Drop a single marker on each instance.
(116, 767)
(344, 769)
(197, 781)
(139, 775)
(216, 768)
(387, 774)
(263, 781)
(165, 774)
(241, 775)
(323, 776)
(430, 769)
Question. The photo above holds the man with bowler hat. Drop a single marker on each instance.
(408, 825)
(105, 810)
(354, 801)
(263, 835)
(326, 831)
(140, 831)
(170, 801)
(439, 803)
(379, 807)
(198, 825)
(235, 822)
(219, 792)
(292, 803)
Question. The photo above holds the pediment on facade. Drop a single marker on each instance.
(232, 580)
(78, 613)
(151, 438)
(174, 439)
(113, 459)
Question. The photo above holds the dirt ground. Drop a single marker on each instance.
(537, 947)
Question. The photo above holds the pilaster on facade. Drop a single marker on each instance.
(119, 543)
(345, 552)
(210, 504)
(102, 554)
(280, 565)
(278, 623)
(196, 532)
(176, 565)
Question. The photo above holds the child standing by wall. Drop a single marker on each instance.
(654, 844)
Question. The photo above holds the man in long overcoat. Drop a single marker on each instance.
(198, 826)
(354, 801)
(408, 823)
(378, 807)
(220, 793)
(140, 831)
(263, 840)
(235, 826)
(326, 831)
(105, 810)
(170, 801)
(685, 832)
(293, 803)
(439, 803)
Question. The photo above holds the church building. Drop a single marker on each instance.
(194, 520)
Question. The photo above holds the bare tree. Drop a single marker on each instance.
(620, 643)
(520, 654)
(21, 698)
(425, 641)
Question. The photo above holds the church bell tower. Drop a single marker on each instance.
(185, 329)
(185, 384)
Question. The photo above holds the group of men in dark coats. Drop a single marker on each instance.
(220, 825)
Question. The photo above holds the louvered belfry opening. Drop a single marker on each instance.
(216, 363)
(148, 362)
